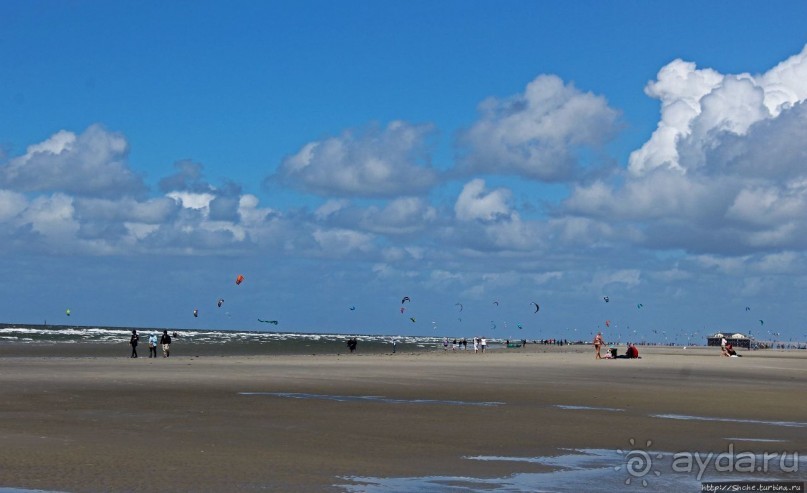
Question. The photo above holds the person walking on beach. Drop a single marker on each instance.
(165, 340)
(133, 343)
(153, 345)
(597, 345)
(394, 344)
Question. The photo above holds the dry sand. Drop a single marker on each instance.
(179, 424)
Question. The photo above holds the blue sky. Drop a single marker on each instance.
(343, 154)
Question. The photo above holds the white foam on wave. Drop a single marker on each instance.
(61, 334)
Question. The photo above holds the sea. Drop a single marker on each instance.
(215, 342)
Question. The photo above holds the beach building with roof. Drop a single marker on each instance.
(737, 340)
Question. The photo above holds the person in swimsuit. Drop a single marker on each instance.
(597, 345)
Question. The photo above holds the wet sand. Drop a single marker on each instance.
(102, 423)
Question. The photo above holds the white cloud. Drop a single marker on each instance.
(11, 204)
(374, 163)
(699, 105)
(93, 164)
(779, 263)
(627, 277)
(475, 202)
(189, 200)
(342, 242)
(52, 217)
(537, 134)
(151, 211)
(400, 216)
(330, 207)
(725, 170)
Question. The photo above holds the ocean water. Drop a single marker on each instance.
(224, 342)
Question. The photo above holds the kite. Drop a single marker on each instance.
(239, 279)
(605, 299)
(274, 322)
(639, 305)
(761, 322)
(220, 302)
(459, 305)
(195, 312)
(495, 302)
(492, 324)
(412, 319)
(67, 312)
(748, 308)
(405, 299)
(519, 326)
(352, 308)
(536, 306)
(402, 310)
(607, 323)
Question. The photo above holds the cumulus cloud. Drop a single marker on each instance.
(188, 178)
(724, 172)
(52, 218)
(400, 216)
(376, 162)
(475, 202)
(701, 106)
(11, 204)
(538, 134)
(93, 163)
(339, 243)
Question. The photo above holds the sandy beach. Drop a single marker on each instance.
(187, 423)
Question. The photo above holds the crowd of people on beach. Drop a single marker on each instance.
(165, 342)
(479, 344)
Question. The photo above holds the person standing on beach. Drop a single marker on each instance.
(165, 340)
(483, 343)
(133, 342)
(476, 345)
(597, 345)
(153, 345)
(394, 344)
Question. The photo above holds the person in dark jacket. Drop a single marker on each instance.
(133, 343)
(165, 340)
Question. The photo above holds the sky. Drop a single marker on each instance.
(482, 158)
